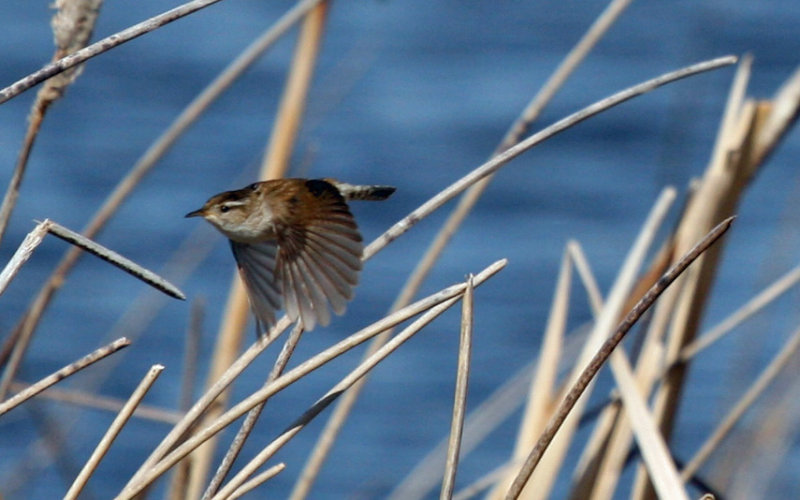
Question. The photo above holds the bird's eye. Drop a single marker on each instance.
(253, 186)
(224, 208)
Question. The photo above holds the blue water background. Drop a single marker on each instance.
(413, 94)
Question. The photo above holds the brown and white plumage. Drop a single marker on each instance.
(294, 239)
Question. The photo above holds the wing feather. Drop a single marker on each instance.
(315, 296)
(335, 274)
(256, 264)
(319, 259)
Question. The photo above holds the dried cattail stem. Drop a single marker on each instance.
(72, 28)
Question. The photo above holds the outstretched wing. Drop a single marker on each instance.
(256, 262)
(319, 255)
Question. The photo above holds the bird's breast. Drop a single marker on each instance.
(250, 231)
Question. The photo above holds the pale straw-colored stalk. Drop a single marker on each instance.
(95, 401)
(70, 369)
(747, 135)
(23, 340)
(72, 26)
(541, 482)
(67, 62)
(178, 482)
(330, 396)
(603, 354)
(113, 431)
(257, 481)
(460, 393)
(252, 416)
(22, 254)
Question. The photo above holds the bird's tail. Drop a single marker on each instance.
(366, 193)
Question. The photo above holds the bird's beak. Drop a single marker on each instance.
(196, 213)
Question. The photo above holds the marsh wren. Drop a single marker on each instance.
(295, 239)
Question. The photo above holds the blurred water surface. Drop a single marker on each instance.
(413, 94)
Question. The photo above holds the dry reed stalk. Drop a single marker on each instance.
(590, 286)
(753, 306)
(295, 427)
(22, 341)
(742, 145)
(252, 416)
(541, 399)
(293, 102)
(34, 238)
(257, 481)
(500, 160)
(61, 374)
(153, 468)
(604, 456)
(340, 388)
(601, 482)
(596, 303)
(541, 482)
(491, 413)
(178, 481)
(598, 470)
(72, 25)
(716, 193)
(276, 163)
(605, 351)
(113, 431)
(97, 48)
(201, 405)
(540, 408)
(653, 448)
(22, 254)
(715, 198)
(480, 423)
(460, 393)
(595, 300)
(114, 259)
(105, 403)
